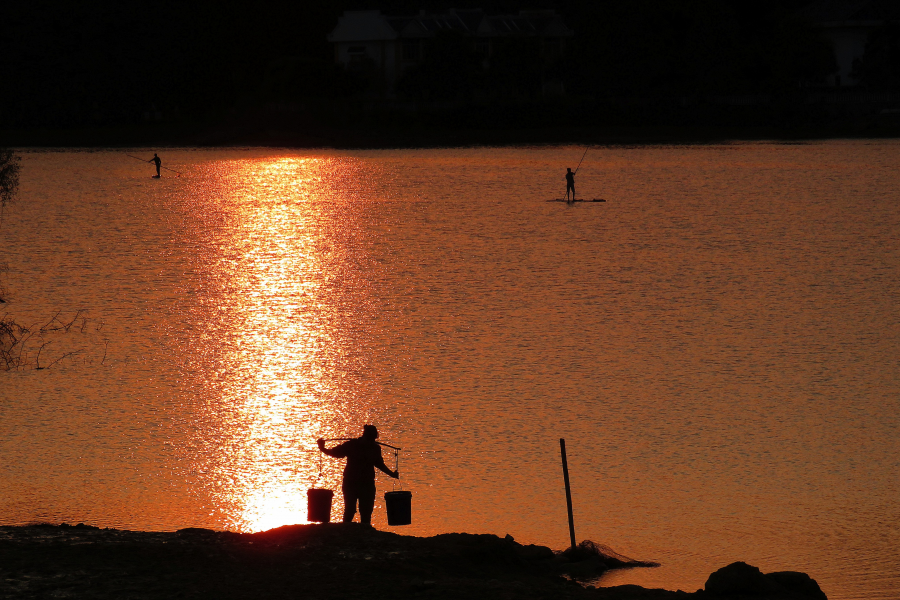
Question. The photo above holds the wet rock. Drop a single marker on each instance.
(799, 584)
(740, 578)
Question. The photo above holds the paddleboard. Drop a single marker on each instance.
(579, 200)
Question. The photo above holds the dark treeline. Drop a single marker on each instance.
(706, 46)
(658, 47)
(879, 67)
(109, 63)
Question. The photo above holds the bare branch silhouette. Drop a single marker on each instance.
(66, 355)
(37, 360)
(75, 318)
(44, 328)
(14, 339)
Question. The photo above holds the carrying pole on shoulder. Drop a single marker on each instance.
(345, 439)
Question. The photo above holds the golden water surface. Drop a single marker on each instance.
(718, 343)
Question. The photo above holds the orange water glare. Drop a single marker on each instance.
(718, 344)
(275, 391)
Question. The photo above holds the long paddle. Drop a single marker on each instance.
(575, 171)
(582, 159)
(162, 167)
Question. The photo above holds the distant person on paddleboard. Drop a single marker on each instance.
(158, 162)
(363, 454)
(570, 184)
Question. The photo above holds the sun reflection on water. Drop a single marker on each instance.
(274, 398)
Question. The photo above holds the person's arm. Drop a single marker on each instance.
(336, 452)
(383, 467)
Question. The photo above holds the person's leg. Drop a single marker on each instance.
(366, 504)
(350, 496)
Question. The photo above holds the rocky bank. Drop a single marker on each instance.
(323, 562)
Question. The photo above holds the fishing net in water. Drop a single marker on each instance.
(612, 559)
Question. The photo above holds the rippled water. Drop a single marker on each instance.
(718, 343)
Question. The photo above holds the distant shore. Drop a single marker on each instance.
(317, 561)
(265, 133)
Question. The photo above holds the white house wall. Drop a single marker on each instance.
(849, 44)
(391, 55)
(372, 50)
(385, 54)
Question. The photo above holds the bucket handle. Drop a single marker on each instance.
(397, 469)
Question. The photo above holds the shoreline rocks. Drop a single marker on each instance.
(321, 562)
(743, 580)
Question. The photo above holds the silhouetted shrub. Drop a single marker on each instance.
(9, 175)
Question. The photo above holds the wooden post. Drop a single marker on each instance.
(562, 448)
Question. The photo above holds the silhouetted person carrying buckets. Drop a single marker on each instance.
(363, 454)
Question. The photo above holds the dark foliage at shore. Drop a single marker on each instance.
(108, 73)
(323, 561)
(9, 185)
(879, 68)
(9, 177)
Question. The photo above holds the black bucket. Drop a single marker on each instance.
(318, 508)
(399, 507)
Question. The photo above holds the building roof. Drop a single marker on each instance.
(368, 25)
(362, 26)
(825, 12)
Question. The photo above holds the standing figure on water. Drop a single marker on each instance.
(363, 454)
(158, 162)
(570, 184)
